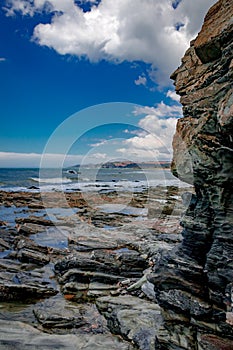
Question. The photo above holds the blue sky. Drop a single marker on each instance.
(60, 56)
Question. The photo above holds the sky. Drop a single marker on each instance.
(97, 73)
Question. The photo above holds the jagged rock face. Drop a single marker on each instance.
(203, 141)
(196, 286)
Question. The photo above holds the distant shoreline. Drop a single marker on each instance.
(107, 165)
(138, 165)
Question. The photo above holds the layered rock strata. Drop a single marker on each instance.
(194, 283)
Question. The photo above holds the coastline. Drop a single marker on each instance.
(63, 259)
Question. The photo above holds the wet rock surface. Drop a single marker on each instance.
(193, 282)
(135, 321)
(60, 316)
(19, 335)
(59, 272)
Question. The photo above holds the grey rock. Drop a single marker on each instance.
(135, 320)
(193, 279)
(16, 292)
(38, 220)
(18, 335)
(148, 290)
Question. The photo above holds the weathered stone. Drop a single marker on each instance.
(195, 279)
(58, 314)
(18, 335)
(137, 322)
(61, 316)
(27, 229)
(4, 245)
(89, 276)
(11, 291)
(38, 220)
(88, 285)
(215, 28)
(212, 342)
(29, 251)
(32, 256)
(124, 263)
(184, 302)
(18, 284)
(85, 278)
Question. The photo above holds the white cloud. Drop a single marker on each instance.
(100, 143)
(99, 156)
(19, 159)
(50, 160)
(154, 141)
(13, 159)
(132, 30)
(195, 12)
(142, 155)
(22, 6)
(161, 110)
(173, 95)
(133, 132)
(2, 59)
(141, 80)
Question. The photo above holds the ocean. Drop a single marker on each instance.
(85, 179)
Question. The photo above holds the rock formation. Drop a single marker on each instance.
(194, 283)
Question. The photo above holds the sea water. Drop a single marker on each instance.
(85, 179)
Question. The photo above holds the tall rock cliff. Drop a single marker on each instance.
(194, 283)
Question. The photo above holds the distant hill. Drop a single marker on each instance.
(125, 165)
(161, 164)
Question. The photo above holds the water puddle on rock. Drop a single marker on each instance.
(56, 214)
(52, 238)
(122, 250)
(10, 213)
(122, 209)
(5, 253)
(109, 227)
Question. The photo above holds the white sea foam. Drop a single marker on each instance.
(55, 180)
(107, 180)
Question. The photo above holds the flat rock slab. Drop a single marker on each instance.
(60, 316)
(38, 220)
(56, 314)
(135, 319)
(14, 292)
(213, 342)
(18, 284)
(18, 335)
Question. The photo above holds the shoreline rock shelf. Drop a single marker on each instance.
(55, 269)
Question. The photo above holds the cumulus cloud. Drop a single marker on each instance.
(100, 143)
(173, 95)
(98, 156)
(161, 110)
(157, 142)
(141, 80)
(132, 30)
(154, 141)
(2, 59)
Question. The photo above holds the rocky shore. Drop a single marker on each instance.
(79, 281)
(120, 272)
(194, 282)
